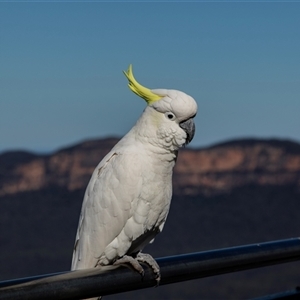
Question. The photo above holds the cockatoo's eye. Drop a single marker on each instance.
(169, 115)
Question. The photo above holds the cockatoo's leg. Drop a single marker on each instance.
(135, 263)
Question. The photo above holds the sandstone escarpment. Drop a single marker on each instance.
(208, 171)
(235, 164)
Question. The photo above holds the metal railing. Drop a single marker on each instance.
(94, 282)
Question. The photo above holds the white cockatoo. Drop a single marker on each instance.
(128, 197)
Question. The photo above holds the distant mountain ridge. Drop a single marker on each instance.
(210, 171)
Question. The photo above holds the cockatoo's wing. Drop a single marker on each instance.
(108, 202)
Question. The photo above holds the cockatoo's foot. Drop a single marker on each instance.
(151, 262)
(135, 264)
(126, 259)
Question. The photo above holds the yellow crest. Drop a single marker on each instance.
(140, 90)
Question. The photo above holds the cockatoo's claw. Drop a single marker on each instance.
(134, 263)
(151, 262)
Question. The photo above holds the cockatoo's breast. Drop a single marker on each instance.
(151, 209)
(155, 170)
(150, 205)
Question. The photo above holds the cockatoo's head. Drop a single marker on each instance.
(169, 114)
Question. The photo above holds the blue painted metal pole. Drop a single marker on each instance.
(94, 282)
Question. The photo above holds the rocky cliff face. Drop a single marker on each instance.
(235, 164)
(209, 171)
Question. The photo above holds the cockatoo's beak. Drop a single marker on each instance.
(189, 127)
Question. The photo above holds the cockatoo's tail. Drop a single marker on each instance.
(140, 90)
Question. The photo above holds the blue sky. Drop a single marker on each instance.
(61, 68)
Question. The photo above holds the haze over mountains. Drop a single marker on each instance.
(233, 193)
